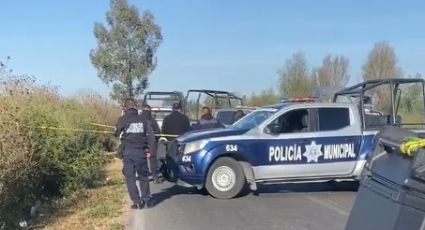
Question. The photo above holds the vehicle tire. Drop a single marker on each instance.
(225, 179)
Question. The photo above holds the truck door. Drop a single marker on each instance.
(340, 135)
(311, 142)
(284, 146)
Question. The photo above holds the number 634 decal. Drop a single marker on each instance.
(231, 148)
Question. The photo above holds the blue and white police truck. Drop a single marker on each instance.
(288, 142)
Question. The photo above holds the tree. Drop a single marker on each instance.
(295, 80)
(4, 70)
(126, 49)
(333, 72)
(266, 97)
(381, 63)
(412, 97)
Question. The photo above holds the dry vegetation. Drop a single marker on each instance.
(99, 208)
(39, 164)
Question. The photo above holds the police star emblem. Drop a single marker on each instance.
(313, 152)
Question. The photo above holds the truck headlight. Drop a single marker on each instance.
(194, 146)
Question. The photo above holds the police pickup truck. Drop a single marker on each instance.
(289, 142)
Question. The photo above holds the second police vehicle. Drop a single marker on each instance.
(287, 142)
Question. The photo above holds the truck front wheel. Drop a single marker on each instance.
(225, 178)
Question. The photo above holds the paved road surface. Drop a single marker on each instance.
(284, 207)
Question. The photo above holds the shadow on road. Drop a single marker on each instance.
(309, 187)
(175, 190)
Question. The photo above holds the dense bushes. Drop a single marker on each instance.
(105, 113)
(38, 162)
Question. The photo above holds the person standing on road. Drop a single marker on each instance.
(120, 150)
(147, 114)
(207, 120)
(136, 136)
(176, 123)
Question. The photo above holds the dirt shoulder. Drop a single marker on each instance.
(103, 207)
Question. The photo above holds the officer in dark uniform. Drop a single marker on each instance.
(176, 123)
(136, 136)
(207, 120)
(147, 114)
(238, 115)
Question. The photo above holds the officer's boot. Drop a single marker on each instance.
(148, 202)
(156, 179)
(137, 205)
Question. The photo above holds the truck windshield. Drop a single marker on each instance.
(253, 119)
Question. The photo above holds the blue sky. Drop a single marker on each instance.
(231, 45)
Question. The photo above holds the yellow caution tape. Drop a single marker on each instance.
(100, 125)
(67, 129)
(113, 127)
(82, 130)
(59, 128)
(411, 145)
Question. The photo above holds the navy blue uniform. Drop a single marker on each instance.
(208, 122)
(137, 136)
(153, 157)
(175, 123)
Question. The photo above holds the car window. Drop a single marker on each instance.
(293, 121)
(333, 118)
(253, 119)
(226, 117)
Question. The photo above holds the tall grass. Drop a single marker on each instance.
(36, 162)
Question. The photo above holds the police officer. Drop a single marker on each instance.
(136, 136)
(147, 114)
(238, 115)
(207, 120)
(176, 123)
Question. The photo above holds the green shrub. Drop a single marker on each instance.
(38, 162)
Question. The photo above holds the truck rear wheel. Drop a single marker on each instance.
(225, 179)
